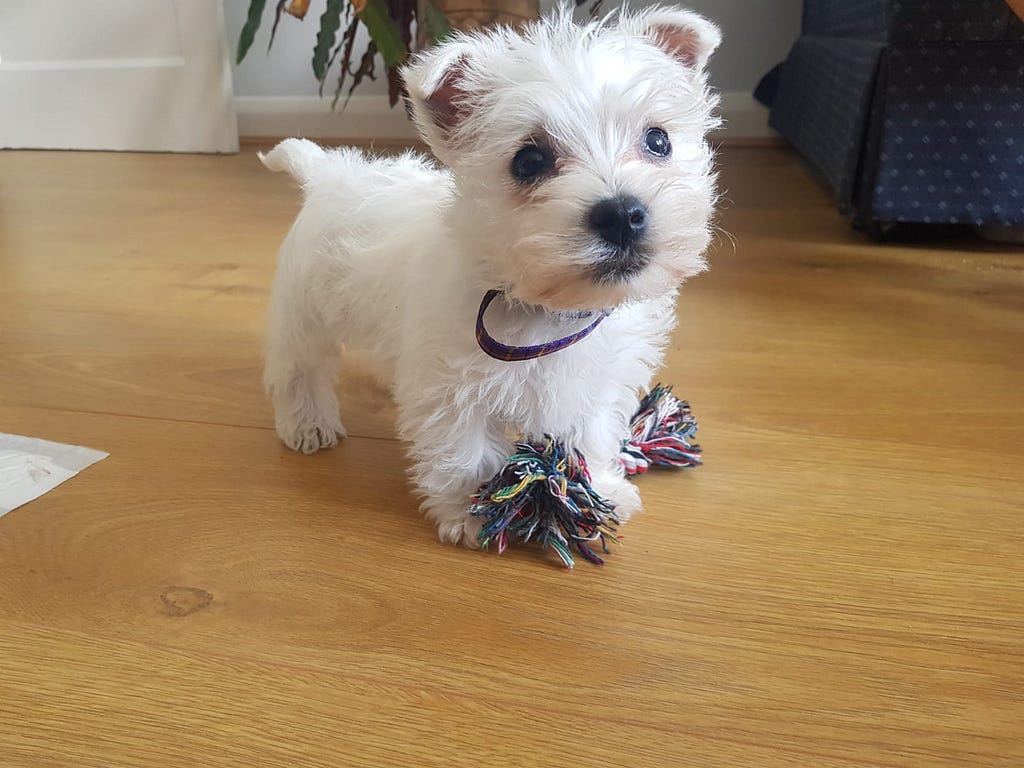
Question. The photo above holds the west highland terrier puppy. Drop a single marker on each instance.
(577, 181)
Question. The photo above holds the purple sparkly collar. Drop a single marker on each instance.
(511, 354)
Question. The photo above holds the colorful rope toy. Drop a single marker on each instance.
(543, 493)
(660, 434)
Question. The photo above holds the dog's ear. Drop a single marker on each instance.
(685, 36)
(435, 83)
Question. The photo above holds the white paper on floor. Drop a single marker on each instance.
(29, 467)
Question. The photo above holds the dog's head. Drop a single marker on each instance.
(579, 153)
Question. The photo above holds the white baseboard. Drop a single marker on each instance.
(370, 117)
(744, 117)
(365, 117)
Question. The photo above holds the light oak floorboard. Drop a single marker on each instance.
(839, 585)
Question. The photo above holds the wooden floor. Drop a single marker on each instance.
(841, 585)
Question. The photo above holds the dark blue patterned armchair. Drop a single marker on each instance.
(913, 111)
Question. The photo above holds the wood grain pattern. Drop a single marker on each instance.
(840, 585)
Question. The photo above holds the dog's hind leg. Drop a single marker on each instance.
(301, 369)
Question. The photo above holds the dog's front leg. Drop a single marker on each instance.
(600, 442)
(453, 453)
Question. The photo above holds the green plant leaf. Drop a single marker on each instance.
(435, 22)
(330, 23)
(252, 23)
(347, 16)
(384, 32)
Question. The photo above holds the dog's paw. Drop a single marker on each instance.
(622, 493)
(465, 531)
(310, 437)
(454, 524)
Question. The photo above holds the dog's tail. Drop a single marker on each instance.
(299, 157)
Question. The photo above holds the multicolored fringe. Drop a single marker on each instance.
(543, 493)
(660, 434)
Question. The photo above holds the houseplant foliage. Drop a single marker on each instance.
(389, 24)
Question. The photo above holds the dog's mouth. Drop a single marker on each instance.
(604, 277)
(618, 265)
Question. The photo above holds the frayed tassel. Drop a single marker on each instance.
(660, 434)
(543, 494)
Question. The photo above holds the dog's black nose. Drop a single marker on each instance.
(621, 220)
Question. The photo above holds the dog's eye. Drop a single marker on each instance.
(531, 162)
(656, 142)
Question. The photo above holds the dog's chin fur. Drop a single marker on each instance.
(394, 255)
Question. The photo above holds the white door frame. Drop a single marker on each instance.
(84, 99)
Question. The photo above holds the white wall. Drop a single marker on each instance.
(756, 35)
(277, 92)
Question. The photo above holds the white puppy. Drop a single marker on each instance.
(577, 180)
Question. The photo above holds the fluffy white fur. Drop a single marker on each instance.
(393, 255)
